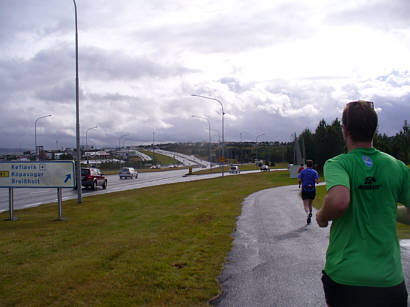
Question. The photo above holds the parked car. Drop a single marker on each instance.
(92, 177)
(235, 169)
(128, 172)
(265, 168)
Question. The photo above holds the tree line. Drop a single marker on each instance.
(325, 142)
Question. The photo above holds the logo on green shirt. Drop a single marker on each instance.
(369, 184)
(368, 161)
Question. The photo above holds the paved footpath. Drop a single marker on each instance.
(276, 260)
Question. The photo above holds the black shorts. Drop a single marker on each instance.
(308, 194)
(344, 295)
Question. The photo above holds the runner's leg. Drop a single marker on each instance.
(310, 201)
(306, 205)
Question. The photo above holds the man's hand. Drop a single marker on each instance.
(321, 222)
(334, 205)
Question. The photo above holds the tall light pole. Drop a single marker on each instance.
(256, 145)
(209, 130)
(77, 108)
(119, 140)
(223, 140)
(218, 134)
(35, 133)
(86, 140)
(241, 155)
(153, 148)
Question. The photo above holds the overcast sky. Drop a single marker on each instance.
(277, 66)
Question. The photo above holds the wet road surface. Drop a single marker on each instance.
(276, 260)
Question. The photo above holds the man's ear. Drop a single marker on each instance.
(345, 133)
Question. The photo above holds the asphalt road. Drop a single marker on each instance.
(24, 197)
(276, 260)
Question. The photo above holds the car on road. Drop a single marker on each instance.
(92, 177)
(128, 172)
(235, 169)
(265, 168)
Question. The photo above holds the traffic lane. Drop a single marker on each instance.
(276, 260)
(24, 198)
(31, 197)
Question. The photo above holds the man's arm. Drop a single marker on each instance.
(403, 215)
(335, 204)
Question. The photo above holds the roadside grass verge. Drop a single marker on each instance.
(403, 231)
(243, 167)
(145, 170)
(160, 158)
(155, 246)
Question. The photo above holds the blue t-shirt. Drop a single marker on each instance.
(308, 177)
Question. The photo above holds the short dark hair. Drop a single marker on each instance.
(309, 163)
(360, 120)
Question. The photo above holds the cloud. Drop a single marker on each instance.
(279, 67)
(108, 65)
(237, 30)
(378, 14)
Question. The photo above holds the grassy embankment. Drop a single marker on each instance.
(243, 167)
(154, 246)
(161, 159)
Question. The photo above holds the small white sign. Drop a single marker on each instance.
(37, 174)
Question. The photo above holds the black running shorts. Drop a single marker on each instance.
(308, 194)
(343, 295)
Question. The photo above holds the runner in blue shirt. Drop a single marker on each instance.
(308, 178)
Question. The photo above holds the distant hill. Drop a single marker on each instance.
(5, 151)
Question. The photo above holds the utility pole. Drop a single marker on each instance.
(77, 108)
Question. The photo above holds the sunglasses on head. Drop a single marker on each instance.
(360, 101)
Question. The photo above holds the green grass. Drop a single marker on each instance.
(156, 246)
(243, 167)
(403, 231)
(161, 159)
(144, 170)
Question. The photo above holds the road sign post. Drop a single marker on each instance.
(36, 174)
(222, 160)
(11, 206)
(60, 204)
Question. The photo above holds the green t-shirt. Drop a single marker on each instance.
(363, 247)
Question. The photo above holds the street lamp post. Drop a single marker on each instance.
(119, 145)
(77, 108)
(223, 139)
(86, 140)
(241, 145)
(256, 145)
(217, 134)
(35, 133)
(119, 140)
(153, 148)
(209, 142)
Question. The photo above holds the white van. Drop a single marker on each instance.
(235, 169)
(128, 172)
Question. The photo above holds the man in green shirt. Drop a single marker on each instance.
(363, 264)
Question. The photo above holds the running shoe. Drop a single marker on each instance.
(309, 219)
